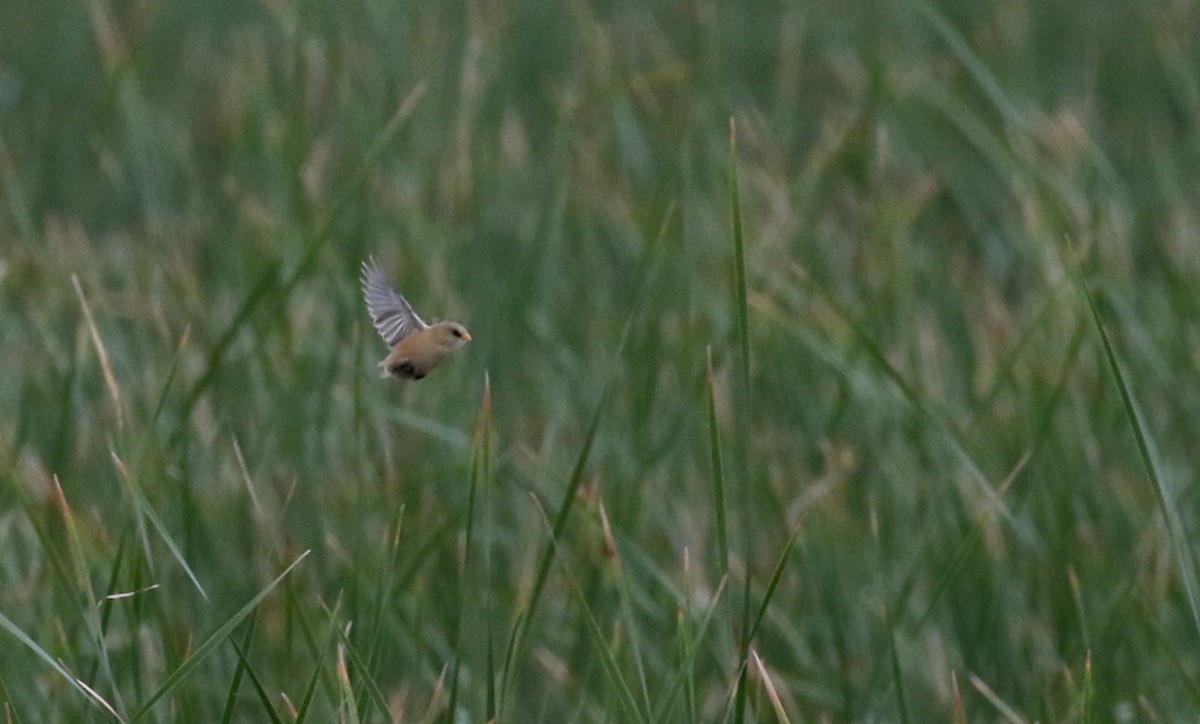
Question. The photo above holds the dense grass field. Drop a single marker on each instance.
(887, 410)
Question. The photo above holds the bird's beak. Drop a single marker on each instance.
(466, 336)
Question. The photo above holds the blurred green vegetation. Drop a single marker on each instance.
(927, 193)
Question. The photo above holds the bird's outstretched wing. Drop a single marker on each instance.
(393, 315)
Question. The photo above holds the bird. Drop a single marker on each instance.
(416, 347)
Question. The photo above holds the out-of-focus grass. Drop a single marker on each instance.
(986, 492)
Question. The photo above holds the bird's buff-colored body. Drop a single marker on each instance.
(417, 347)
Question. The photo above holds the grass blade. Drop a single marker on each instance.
(235, 684)
(145, 510)
(547, 558)
(310, 690)
(742, 415)
(263, 696)
(375, 696)
(691, 649)
(210, 644)
(1149, 454)
(773, 695)
(608, 657)
(1089, 713)
(83, 581)
(88, 692)
(110, 379)
(718, 474)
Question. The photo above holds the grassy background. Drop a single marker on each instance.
(927, 194)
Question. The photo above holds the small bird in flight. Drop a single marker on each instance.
(417, 347)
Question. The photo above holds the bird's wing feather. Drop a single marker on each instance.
(393, 315)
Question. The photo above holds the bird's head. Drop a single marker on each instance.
(449, 336)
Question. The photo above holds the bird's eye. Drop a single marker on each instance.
(456, 333)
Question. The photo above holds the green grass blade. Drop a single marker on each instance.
(742, 415)
(320, 654)
(776, 577)
(106, 604)
(474, 477)
(691, 650)
(718, 474)
(1088, 707)
(88, 692)
(489, 604)
(83, 582)
(1149, 455)
(210, 644)
(347, 704)
(166, 386)
(547, 557)
(146, 511)
(375, 696)
(235, 684)
(263, 697)
(897, 673)
(741, 301)
(625, 598)
(974, 64)
(560, 522)
(608, 657)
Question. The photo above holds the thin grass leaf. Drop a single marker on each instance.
(347, 708)
(490, 535)
(718, 474)
(960, 712)
(626, 605)
(106, 603)
(739, 692)
(375, 696)
(166, 386)
(110, 379)
(146, 511)
(1150, 461)
(897, 673)
(1010, 715)
(1087, 706)
(310, 690)
(475, 473)
(235, 684)
(742, 416)
(88, 692)
(452, 702)
(741, 301)
(386, 586)
(608, 657)
(776, 577)
(210, 644)
(772, 694)
(263, 697)
(975, 66)
(560, 522)
(83, 583)
(547, 558)
(435, 699)
(686, 674)
(1077, 597)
